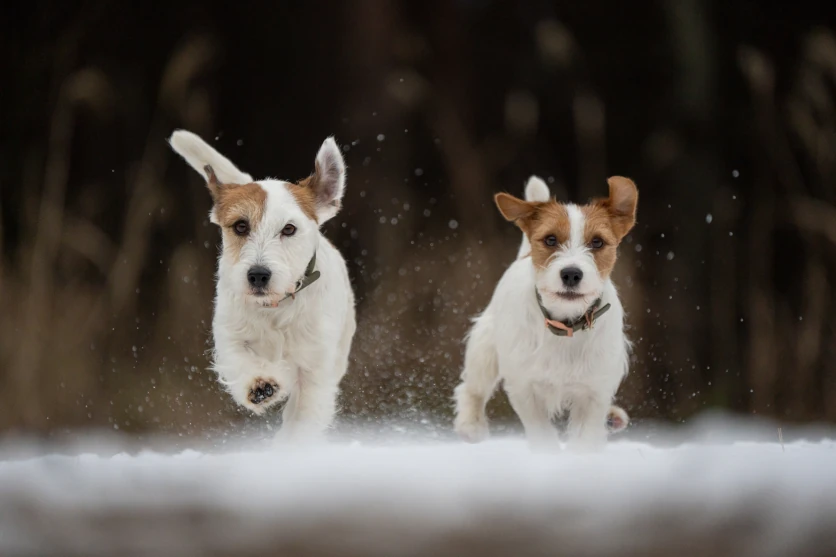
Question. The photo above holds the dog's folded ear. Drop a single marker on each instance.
(328, 180)
(215, 168)
(513, 208)
(622, 204)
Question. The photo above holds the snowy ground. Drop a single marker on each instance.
(427, 498)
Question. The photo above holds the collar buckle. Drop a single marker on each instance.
(569, 331)
(590, 319)
(310, 277)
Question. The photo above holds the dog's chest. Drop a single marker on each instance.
(565, 359)
(270, 346)
(584, 359)
(274, 342)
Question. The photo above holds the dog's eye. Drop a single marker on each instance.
(551, 240)
(596, 243)
(289, 230)
(242, 227)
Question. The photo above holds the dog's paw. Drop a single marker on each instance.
(262, 389)
(472, 431)
(262, 393)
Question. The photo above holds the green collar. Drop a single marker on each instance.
(307, 279)
(582, 323)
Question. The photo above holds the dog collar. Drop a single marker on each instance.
(307, 279)
(582, 323)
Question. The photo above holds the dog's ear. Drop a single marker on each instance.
(328, 180)
(216, 169)
(536, 190)
(622, 204)
(514, 209)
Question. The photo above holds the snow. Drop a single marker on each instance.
(369, 498)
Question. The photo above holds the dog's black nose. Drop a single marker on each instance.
(258, 276)
(571, 276)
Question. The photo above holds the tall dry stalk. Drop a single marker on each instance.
(57, 318)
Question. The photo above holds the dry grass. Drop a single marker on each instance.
(105, 300)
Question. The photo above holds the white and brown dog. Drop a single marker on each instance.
(553, 332)
(284, 309)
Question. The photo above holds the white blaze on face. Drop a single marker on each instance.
(576, 244)
(573, 253)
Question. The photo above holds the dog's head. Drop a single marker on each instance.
(270, 228)
(573, 247)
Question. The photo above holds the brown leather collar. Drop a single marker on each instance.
(567, 329)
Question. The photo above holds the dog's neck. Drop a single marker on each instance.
(310, 276)
(569, 327)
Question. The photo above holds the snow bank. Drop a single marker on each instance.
(435, 499)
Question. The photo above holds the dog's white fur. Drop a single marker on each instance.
(542, 374)
(302, 344)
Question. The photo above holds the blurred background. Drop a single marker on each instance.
(723, 112)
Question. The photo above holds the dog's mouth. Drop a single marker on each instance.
(264, 291)
(269, 299)
(570, 296)
(261, 296)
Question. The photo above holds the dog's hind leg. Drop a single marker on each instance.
(479, 379)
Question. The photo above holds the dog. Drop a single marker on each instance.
(284, 312)
(553, 332)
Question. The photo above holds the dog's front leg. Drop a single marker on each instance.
(310, 409)
(536, 419)
(254, 382)
(587, 429)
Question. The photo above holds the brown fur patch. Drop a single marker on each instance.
(538, 220)
(305, 197)
(234, 203)
(549, 219)
(598, 223)
(608, 218)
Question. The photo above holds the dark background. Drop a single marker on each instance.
(723, 112)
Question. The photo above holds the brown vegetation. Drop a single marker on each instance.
(106, 274)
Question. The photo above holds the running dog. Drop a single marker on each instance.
(284, 309)
(553, 332)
